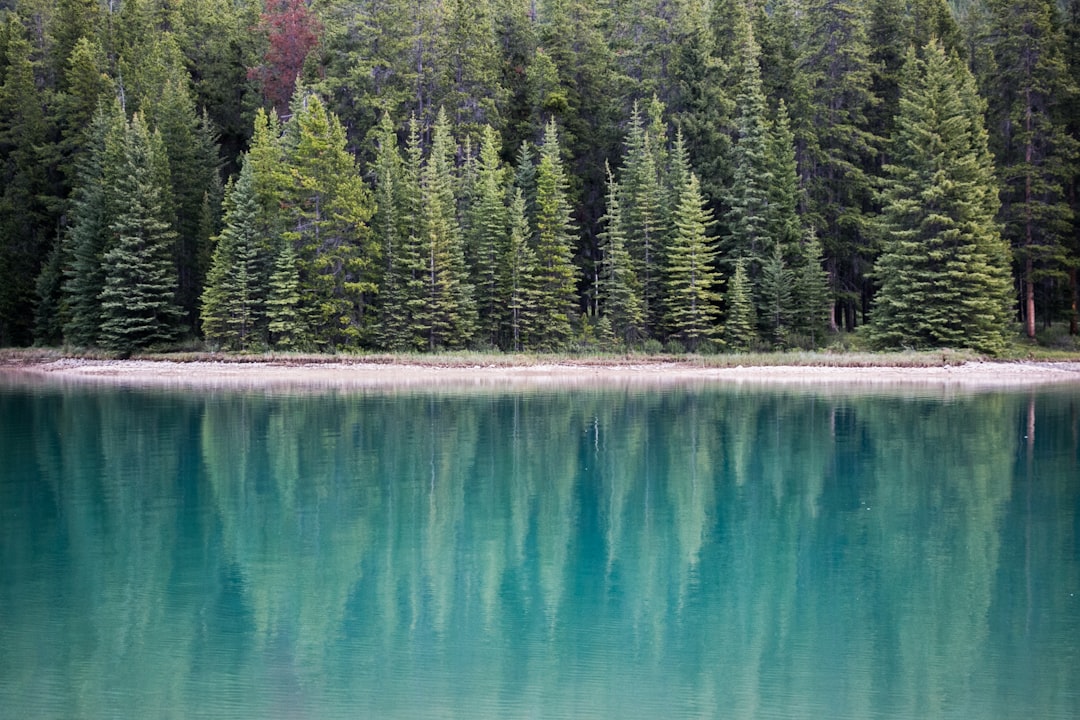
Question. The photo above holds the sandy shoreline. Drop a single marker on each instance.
(360, 374)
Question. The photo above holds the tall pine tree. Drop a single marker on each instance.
(944, 267)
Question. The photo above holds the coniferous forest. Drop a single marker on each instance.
(537, 174)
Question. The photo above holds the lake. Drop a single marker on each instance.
(705, 551)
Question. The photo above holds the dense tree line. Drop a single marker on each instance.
(537, 175)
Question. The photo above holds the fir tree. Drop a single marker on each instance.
(943, 270)
(691, 297)
(519, 280)
(740, 330)
(776, 295)
(449, 313)
(811, 293)
(1029, 83)
(554, 246)
(48, 313)
(837, 149)
(27, 223)
(329, 209)
(490, 230)
(391, 232)
(748, 217)
(232, 302)
(286, 326)
(138, 305)
(642, 203)
(619, 291)
(93, 203)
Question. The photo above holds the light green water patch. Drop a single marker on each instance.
(695, 551)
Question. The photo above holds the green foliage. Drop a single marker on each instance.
(1028, 84)
(691, 281)
(327, 209)
(943, 268)
(448, 314)
(740, 329)
(554, 245)
(93, 203)
(286, 326)
(777, 298)
(232, 303)
(619, 290)
(138, 308)
(811, 295)
(519, 281)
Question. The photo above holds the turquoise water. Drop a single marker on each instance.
(608, 553)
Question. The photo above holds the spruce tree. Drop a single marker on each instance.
(286, 326)
(448, 315)
(519, 280)
(943, 269)
(642, 204)
(1029, 83)
(390, 232)
(233, 300)
(554, 246)
(691, 299)
(620, 292)
(740, 328)
(490, 230)
(93, 204)
(812, 296)
(138, 305)
(27, 222)
(777, 300)
(329, 210)
(837, 148)
(748, 200)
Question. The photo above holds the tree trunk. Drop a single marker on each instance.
(1029, 300)
(1074, 318)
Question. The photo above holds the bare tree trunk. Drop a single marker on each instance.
(1029, 300)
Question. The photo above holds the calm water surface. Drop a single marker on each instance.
(715, 553)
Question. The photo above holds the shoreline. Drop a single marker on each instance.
(380, 373)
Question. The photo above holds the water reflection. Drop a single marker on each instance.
(686, 553)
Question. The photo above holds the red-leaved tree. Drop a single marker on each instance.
(292, 31)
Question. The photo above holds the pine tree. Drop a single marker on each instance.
(329, 210)
(138, 305)
(554, 246)
(192, 152)
(286, 326)
(943, 270)
(519, 280)
(837, 150)
(812, 297)
(702, 110)
(784, 225)
(449, 312)
(777, 299)
(619, 290)
(641, 202)
(691, 299)
(232, 302)
(1029, 83)
(490, 230)
(48, 313)
(748, 216)
(391, 231)
(93, 203)
(27, 223)
(740, 330)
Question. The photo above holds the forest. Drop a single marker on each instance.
(537, 175)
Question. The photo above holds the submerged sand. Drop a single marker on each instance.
(365, 374)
